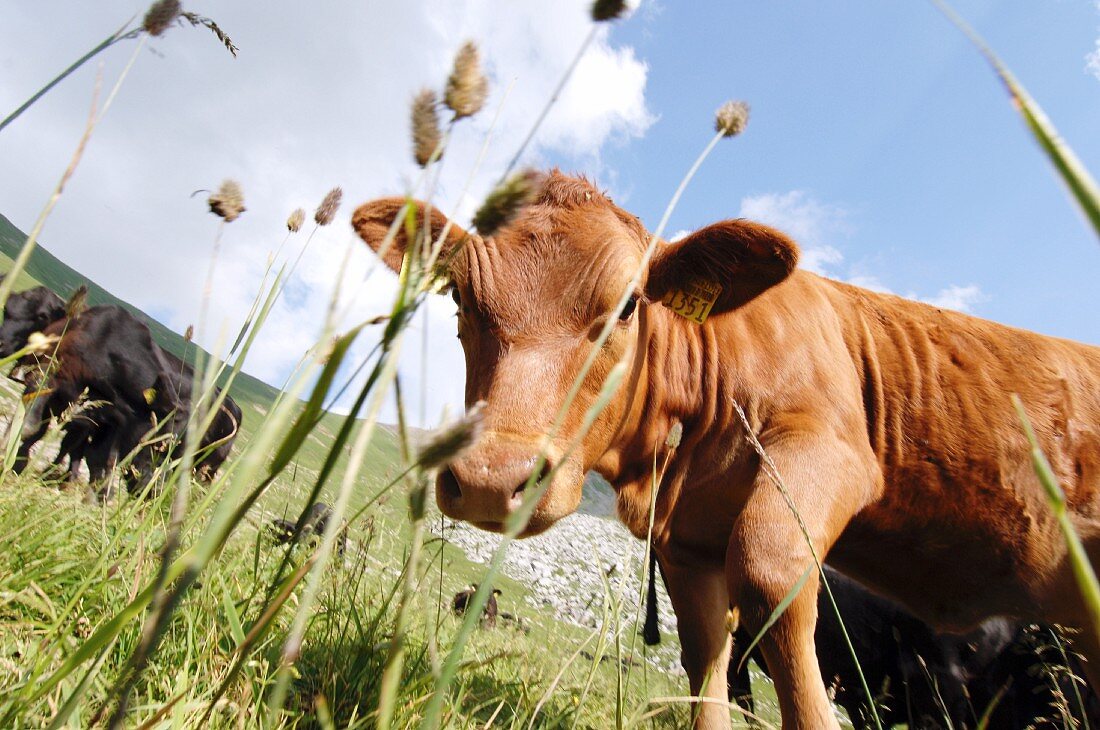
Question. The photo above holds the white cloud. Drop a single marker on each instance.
(815, 225)
(867, 281)
(1092, 60)
(806, 220)
(960, 298)
(317, 97)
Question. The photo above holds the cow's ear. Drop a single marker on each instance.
(742, 257)
(373, 221)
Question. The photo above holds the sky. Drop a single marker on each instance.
(879, 139)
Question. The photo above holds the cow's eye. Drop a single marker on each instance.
(628, 310)
(455, 295)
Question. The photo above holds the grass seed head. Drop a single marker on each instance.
(451, 441)
(507, 200)
(38, 342)
(294, 222)
(425, 127)
(189, 334)
(326, 211)
(467, 87)
(78, 302)
(195, 20)
(604, 10)
(731, 118)
(228, 201)
(674, 435)
(160, 15)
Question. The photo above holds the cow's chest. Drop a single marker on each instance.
(696, 510)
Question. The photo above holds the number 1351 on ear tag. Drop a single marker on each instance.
(694, 300)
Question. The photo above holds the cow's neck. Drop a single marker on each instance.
(678, 380)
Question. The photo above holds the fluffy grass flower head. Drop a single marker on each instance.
(228, 201)
(467, 87)
(326, 211)
(425, 127)
(77, 303)
(450, 442)
(731, 118)
(294, 222)
(674, 435)
(605, 10)
(160, 15)
(507, 200)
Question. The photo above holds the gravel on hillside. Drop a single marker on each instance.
(565, 569)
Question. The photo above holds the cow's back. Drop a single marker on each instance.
(107, 348)
(958, 487)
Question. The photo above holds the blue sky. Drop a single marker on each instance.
(879, 139)
(886, 116)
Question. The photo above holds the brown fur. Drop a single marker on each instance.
(888, 420)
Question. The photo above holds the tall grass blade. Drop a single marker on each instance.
(1072, 171)
(118, 35)
(1078, 558)
(777, 612)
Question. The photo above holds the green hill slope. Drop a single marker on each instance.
(46, 269)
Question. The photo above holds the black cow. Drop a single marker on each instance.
(313, 522)
(489, 611)
(1018, 674)
(33, 310)
(111, 355)
(217, 441)
(920, 677)
(1036, 683)
(88, 433)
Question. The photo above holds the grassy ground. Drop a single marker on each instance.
(67, 568)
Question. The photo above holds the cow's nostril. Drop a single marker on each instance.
(544, 474)
(448, 485)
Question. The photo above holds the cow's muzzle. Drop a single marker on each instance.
(490, 484)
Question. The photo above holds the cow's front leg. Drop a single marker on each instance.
(701, 602)
(769, 555)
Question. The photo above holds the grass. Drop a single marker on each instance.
(66, 567)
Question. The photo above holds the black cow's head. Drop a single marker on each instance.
(26, 312)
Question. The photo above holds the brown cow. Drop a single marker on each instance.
(888, 420)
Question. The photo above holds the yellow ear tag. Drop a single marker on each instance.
(28, 398)
(694, 300)
(150, 395)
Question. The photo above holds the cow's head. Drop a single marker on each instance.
(26, 312)
(532, 299)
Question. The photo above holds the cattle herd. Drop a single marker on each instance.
(117, 394)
